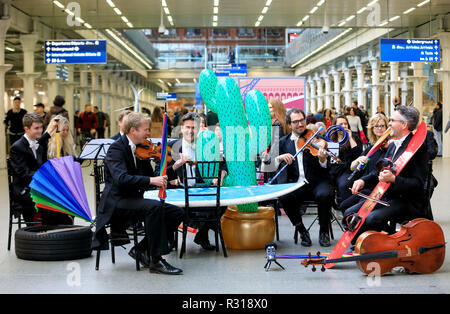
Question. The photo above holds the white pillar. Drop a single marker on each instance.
(347, 86)
(69, 87)
(327, 79)
(393, 84)
(375, 65)
(404, 85)
(94, 88)
(360, 68)
(105, 90)
(28, 75)
(312, 96)
(4, 25)
(307, 97)
(418, 80)
(444, 74)
(52, 83)
(113, 104)
(337, 89)
(318, 83)
(84, 87)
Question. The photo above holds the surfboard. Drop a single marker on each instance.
(233, 195)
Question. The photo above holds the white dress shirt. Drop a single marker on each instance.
(133, 150)
(398, 143)
(33, 145)
(188, 150)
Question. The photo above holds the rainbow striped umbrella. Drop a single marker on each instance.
(58, 186)
(163, 164)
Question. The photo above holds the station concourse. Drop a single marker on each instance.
(141, 55)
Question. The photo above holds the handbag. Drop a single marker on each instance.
(362, 136)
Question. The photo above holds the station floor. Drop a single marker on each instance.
(210, 273)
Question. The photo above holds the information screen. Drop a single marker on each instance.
(75, 51)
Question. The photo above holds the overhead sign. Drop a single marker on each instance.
(230, 69)
(75, 51)
(166, 96)
(410, 50)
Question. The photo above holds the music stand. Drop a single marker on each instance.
(96, 149)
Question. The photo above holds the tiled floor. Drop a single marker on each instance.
(209, 272)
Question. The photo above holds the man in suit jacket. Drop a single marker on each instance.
(122, 201)
(184, 149)
(306, 168)
(27, 155)
(406, 193)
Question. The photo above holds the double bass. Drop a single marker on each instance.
(418, 247)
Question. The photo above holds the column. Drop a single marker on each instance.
(444, 74)
(418, 80)
(84, 87)
(347, 87)
(307, 97)
(327, 79)
(113, 103)
(28, 75)
(318, 83)
(4, 25)
(69, 87)
(105, 90)
(52, 83)
(312, 95)
(337, 89)
(94, 88)
(404, 84)
(393, 84)
(360, 68)
(375, 65)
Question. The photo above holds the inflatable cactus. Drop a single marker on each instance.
(246, 131)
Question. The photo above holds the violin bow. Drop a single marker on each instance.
(163, 163)
(296, 154)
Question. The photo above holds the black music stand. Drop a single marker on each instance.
(96, 149)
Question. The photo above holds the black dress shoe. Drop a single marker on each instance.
(162, 267)
(324, 239)
(204, 243)
(144, 260)
(306, 240)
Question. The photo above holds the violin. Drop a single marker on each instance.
(418, 247)
(315, 145)
(148, 150)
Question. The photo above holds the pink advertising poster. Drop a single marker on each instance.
(291, 90)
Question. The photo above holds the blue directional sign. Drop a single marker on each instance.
(74, 51)
(410, 50)
(166, 96)
(230, 69)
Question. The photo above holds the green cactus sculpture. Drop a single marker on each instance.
(246, 131)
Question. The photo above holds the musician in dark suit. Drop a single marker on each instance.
(306, 168)
(406, 193)
(184, 149)
(122, 200)
(27, 155)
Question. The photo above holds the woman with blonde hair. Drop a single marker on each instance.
(67, 144)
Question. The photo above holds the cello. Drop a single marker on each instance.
(418, 247)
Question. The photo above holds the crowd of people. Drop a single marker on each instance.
(326, 181)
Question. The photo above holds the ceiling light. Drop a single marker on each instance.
(313, 10)
(163, 3)
(79, 19)
(130, 25)
(111, 4)
(216, 10)
(351, 17)
(299, 23)
(409, 10)
(215, 18)
(257, 23)
(260, 18)
(423, 3)
(170, 84)
(216, 3)
(178, 81)
(195, 81)
(214, 24)
(59, 4)
(161, 81)
(383, 23)
(362, 10)
(69, 12)
(169, 18)
(117, 11)
(10, 49)
(305, 18)
(124, 19)
(320, 3)
(342, 23)
(394, 18)
(372, 3)
(264, 10)
(87, 25)
(166, 9)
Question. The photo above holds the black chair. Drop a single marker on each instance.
(15, 209)
(114, 239)
(205, 170)
(430, 184)
(263, 177)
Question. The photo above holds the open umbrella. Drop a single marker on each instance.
(58, 186)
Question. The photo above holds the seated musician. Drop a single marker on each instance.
(122, 201)
(27, 155)
(122, 114)
(184, 149)
(405, 195)
(378, 124)
(351, 150)
(306, 168)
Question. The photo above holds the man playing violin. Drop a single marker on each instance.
(122, 201)
(313, 171)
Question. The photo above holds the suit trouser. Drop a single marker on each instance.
(322, 194)
(160, 222)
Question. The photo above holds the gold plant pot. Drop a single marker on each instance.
(248, 230)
